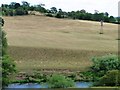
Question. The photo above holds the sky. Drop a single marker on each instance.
(110, 6)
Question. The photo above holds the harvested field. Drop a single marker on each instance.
(39, 42)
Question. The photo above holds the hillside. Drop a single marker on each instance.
(39, 42)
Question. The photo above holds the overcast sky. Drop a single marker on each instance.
(110, 6)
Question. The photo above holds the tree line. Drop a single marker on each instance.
(15, 8)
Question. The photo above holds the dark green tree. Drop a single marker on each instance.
(106, 14)
(112, 19)
(118, 20)
(53, 10)
(82, 11)
(98, 16)
(60, 14)
(25, 5)
(40, 8)
(106, 19)
(12, 5)
(17, 5)
(31, 8)
(21, 11)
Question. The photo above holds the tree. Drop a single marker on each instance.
(21, 11)
(12, 5)
(118, 20)
(106, 19)
(96, 11)
(53, 10)
(72, 14)
(82, 11)
(106, 14)
(40, 8)
(98, 16)
(25, 5)
(88, 16)
(112, 19)
(8, 66)
(60, 14)
(17, 5)
(31, 8)
(5, 6)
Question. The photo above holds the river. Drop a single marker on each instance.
(36, 85)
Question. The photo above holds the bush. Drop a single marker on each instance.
(101, 65)
(59, 81)
(8, 67)
(105, 63)
(112, 78)
(89, 76)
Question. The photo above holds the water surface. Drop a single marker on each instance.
(36, 85)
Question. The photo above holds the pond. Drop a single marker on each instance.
(35, 85)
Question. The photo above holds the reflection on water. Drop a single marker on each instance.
(35, 85)
(83, 84)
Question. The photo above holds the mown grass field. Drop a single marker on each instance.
(39, 42)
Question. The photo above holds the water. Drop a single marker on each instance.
(27, 85)
(35, 85)
(83, 84)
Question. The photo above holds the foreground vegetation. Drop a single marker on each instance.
(106, 70)
(8, 65)
(108, 75)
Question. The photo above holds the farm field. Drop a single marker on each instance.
(44, 43)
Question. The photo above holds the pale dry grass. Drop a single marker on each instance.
(69, 44)
(40, 31)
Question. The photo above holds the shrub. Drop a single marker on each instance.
(8, 67)
(101, 65)
(89, 76)
(112, 78)
(105, 63)
(59, 81)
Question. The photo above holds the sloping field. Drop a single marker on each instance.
(39, 42)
